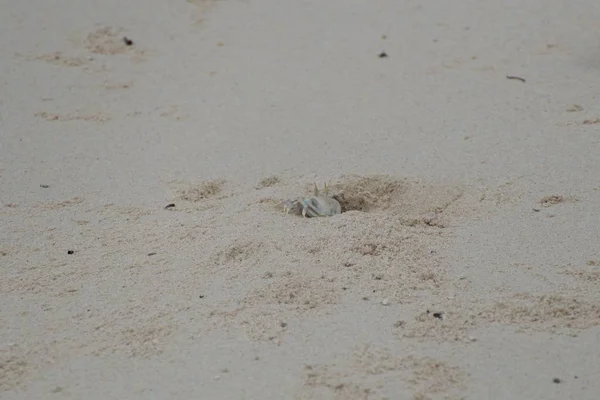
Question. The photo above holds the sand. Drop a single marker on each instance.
(144, 252)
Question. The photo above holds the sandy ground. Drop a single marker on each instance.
(465, 265)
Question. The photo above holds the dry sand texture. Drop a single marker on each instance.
(465, 265)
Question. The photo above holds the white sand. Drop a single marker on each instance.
(444, 282)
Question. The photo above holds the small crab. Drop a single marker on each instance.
(320, 205)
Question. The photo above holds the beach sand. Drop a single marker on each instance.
(144, 250)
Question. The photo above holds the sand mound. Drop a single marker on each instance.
(367, 193)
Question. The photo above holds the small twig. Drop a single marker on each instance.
(518, 78)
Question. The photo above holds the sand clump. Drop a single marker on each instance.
(12, 370)
(268, 182)
(451, 325)
(459, 323)
(107, 41)
(203, 191)
(368, 193)
(550, 312)
(554, 199)
(548, 201)
(299, 292)
(366, 372)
